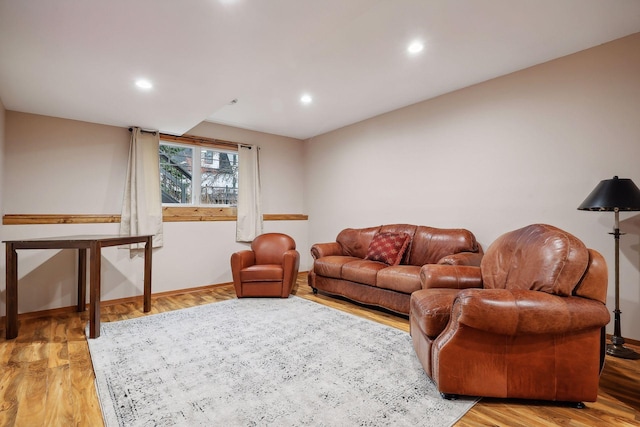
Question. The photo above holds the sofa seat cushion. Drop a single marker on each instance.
(331, 266)
(262, 273)
(400, 278)
(431, 309)
(362, 271)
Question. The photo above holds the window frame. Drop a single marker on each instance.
(197, 146)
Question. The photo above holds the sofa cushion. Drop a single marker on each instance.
(430, 244)
(362, 271)
(401, 228)
(400, 278)
(538, 257)
(355, 241)
(331, 266)
(262, 273)
(388, 247)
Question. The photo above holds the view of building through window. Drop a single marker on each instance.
(215, 182)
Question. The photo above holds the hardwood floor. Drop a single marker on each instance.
(47, 376)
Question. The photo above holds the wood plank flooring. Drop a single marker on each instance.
(47, 379)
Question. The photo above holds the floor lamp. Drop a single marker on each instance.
(617, 194)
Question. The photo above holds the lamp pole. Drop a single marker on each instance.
(617, 348)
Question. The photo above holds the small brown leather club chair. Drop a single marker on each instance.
(526, 324)
(269, 269)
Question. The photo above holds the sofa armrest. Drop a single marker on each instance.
(522, 312)
(450, 276)
(320, 250)
(462, 258)
(431, 309)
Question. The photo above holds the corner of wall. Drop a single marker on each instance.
(3, 114)
(2, 168)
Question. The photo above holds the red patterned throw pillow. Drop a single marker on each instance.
(388, 247)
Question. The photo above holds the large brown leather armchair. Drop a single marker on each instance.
(528, 323)
(269, 269)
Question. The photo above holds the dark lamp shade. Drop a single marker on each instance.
(614, 193)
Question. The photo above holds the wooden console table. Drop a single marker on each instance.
(92, 244)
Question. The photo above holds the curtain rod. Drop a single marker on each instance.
(192, 139)
(145, 131)
(196, 139)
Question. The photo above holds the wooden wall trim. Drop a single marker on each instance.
(285, 217)
(28, 219)
(193, 213)
(169, 214)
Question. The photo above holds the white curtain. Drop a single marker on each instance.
(249, 222)
(142, 204)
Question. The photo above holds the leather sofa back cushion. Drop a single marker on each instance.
(430, 244)
(538, 257)
(355, 242)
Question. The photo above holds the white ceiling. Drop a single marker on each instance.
(79, 59)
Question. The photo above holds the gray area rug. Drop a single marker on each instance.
(259, 362)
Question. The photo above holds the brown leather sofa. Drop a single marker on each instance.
(528, 323)
(344, 268)
(269, 269)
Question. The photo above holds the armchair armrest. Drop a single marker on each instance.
(291, 262)
(291, 257)
(320, 250)
(462, 258)
(450, 276)
(290, 266)
(240, 260)
(521, 312)
(243, 259)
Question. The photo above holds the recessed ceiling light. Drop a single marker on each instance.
(144, 84)
(306, 99)
(415, 47)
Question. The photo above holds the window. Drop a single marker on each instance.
(214, 182)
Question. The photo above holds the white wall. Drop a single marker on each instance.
(524, 148)
(63, 166)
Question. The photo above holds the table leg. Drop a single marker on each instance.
(12, 291)
(94, 293)
(82, 279)
(148, 250)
